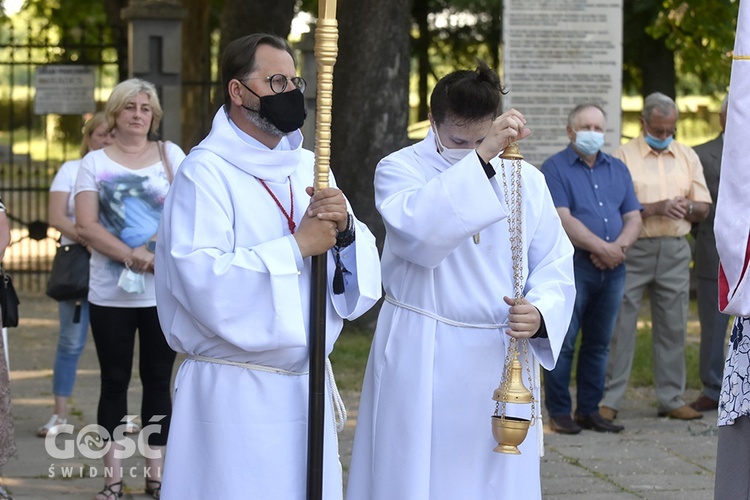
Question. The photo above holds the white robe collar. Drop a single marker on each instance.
(272, 165)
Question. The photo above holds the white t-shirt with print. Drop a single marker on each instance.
(130, 206)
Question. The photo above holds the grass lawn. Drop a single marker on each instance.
(349, 358)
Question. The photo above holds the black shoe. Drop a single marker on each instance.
(596, 422)
(564, 425)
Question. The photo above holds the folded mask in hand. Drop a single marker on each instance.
(132, 282)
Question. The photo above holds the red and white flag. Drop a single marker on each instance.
(732, 223)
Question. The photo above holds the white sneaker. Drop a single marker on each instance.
(132, 428)
(52, 426)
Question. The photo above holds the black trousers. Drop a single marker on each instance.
(114, 331)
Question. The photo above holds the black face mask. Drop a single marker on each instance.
(285, 111)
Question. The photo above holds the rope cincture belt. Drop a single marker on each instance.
(339, 410)
(484, 326)
(247, 366)
(436, 317)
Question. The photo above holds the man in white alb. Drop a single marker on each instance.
(424, 424)
(233, 288)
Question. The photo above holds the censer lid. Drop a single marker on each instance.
(512, 152)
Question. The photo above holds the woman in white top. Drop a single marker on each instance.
(119, 197)
(72, 337)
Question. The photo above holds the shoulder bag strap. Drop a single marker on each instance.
(165, 160)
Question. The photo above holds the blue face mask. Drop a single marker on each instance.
(658, 143)
(589, 142)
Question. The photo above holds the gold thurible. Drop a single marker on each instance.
(512, 390)
(509, 431)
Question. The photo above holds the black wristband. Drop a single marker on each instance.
(542, 332)
(346, 237)
(487, 167)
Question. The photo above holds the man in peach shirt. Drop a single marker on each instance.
(669, 183)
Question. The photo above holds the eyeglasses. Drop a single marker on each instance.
(278, 82)
(660, 132)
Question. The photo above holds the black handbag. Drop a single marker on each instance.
(69, 279)
(8, 300)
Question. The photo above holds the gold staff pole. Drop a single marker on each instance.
(326, 50)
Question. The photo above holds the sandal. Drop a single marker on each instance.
(109, 493)
(52, 427)
(156, 490)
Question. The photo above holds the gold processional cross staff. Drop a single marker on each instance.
(326, 50)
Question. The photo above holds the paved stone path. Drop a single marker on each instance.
(654, 458)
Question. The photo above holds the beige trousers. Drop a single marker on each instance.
(660, 266)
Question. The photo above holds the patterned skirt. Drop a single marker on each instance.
(7, 441)
(734, 400)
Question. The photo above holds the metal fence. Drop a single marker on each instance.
(32, 147)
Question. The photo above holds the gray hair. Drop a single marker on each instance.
(661, 102)
(574, 114)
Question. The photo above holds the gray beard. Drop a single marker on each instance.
(263, 124)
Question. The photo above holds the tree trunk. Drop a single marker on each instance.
(240, 18)
(658, 66)
(370, 102)
(197, 108)
(370, 97)
(495, 35)
(120, 33)
(648, 64)
(420, 11)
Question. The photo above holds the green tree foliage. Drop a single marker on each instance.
(453, 34)
(76, 23)
(81, 28)
(51, 32)
(472, 30)
(701, 32)
(65, 13)
(648, 64)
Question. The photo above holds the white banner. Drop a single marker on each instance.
(732, 222)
